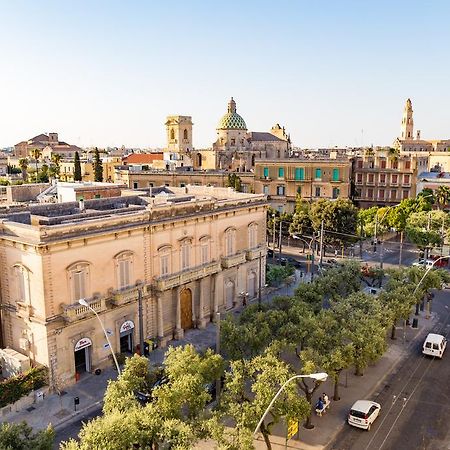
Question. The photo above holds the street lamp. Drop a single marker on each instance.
(321, 376)
(244, 296)
(83, 302)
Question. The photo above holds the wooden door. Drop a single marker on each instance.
(186, 309)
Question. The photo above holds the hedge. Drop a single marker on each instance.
(16, 387)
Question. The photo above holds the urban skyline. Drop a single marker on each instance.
(108, 76)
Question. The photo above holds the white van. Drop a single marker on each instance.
(434, 345)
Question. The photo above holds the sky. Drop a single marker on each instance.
(334, 73)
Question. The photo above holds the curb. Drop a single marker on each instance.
(392, 366)
(59, 425)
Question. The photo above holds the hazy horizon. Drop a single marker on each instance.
(108, 73)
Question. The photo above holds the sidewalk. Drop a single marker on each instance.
(90, 389)
(351, 388)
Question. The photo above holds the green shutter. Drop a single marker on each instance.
(266, 172)
(281, 172)
(335, 174)
(299, 173)
(318, 173)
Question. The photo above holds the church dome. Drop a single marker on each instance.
(232, 120)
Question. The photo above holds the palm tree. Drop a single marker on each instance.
(442, 195)
(36, 153)
(56, 159)
(23, 164)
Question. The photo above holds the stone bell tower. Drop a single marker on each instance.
(407, 130)
(179, 134)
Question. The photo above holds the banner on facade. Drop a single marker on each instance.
(83, 343)
(126, 326)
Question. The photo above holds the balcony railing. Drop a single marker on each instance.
(233, 260)
(255, 253)
(186, 276)
(72, 313)
(24, 310)
(124, 296)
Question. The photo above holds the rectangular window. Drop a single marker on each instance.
(317, 191)
(406, 179)
(266, 189)
(359, 177)
(393, 194)
(280, 190)
(79, 284)
(164, 265)
(394, 179)
(21, 285)
(185, 256)
(281, 172)
(382, 178)
(370, 178)
(335, 174)
(360, 164)
(318, 174)
(124, 274)
(395, 164)
(336, 192)
(381, 194)
(407, 164)
(205, 253)
(369, 193)
(266, 172)
(135, 185)
(299, 173)
(383, 164)
(405, 194)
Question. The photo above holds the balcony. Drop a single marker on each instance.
(233, 260)
(186, 276)
(72, 313)
(124, 296)
(255, 253)
(24, 310)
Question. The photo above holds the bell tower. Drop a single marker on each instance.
(179, 134)
(407, 129)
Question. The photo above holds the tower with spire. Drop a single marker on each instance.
(407, 129)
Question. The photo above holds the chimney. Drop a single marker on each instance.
(81, 205)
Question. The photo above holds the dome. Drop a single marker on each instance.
(232, 120)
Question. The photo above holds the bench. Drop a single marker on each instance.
(326, 405)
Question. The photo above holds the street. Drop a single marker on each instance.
(415, 400)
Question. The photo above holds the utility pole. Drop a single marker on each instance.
(273, 244)
(141, 322)
(218, 382)
(321, 245)
(312, 255)
(279, 239)
(260, 281)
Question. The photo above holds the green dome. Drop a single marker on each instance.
(232, 121)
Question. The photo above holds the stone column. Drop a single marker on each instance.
(160, 321)
(214, 297)
(201, 305)
(179, 332)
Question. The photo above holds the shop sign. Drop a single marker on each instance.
(127, 326)
(106, 346)
(83, 343)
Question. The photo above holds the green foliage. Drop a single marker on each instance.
(234, 181)
(366, 221)
(77, 168)
(442, 196)
(20, 436)
(341, 280)
(14, 388)
(98, 167)
(4, 182)
(275, 274)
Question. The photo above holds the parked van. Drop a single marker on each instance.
(434, 345)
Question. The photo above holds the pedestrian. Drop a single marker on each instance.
(325, 399)
(335, 253)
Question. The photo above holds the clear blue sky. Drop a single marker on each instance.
(109, 72)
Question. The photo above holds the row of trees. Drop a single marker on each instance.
(329, 325)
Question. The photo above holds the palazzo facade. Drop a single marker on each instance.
(187, 253)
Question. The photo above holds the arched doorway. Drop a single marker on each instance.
(251, 285)
(229, 294)
(199, 159)
(126, 336)
(82, 356)
(186, 309)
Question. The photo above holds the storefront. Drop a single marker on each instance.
(82, 353)
(126, 336)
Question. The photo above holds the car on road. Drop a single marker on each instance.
(426, 263)
(434, 345)
(363, 413)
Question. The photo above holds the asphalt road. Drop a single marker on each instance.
(415, 400)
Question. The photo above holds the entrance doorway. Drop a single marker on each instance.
(229, 294)
(186, 309)
(82, 356)
(126, 337)
(251, 284)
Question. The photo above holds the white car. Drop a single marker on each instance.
(424, 263)
(363, 413)
(434, 345)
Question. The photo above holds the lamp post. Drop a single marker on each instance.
(244, 296)
(83, 302)
(273, 244)
(322, 376)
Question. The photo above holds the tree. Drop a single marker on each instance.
(442, 196)
(77, 168)
(301, 222)
(98, 167)
(55, 168)
(23, 164)
(36, 153)
(366, 220)
(234, 181)
(20, 436)
(427, 195)
(341, 280)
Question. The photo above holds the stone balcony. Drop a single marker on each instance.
(233, 260)
(186, 276)
(72, 313)
(124, 296)
(24, 310)
(255, 253)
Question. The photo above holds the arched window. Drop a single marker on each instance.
(252, 235)
(172, 134)
(230, 244)
(79, 280)
(124, 269)
(22, 283)
(164, 260)
(199, 159)
(185, 254)
(185, 134)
